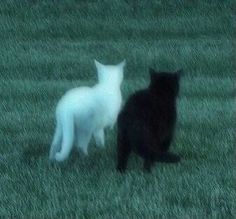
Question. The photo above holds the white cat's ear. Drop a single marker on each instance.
(98, 64)
(122, 64)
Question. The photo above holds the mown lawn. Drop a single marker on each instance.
(48, 47)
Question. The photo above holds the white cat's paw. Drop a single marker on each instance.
(100, 143)
(51, 158)
(84, 151)
(59, 157)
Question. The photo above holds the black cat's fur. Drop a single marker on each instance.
(147, 122)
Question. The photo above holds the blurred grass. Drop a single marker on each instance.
(48, 47)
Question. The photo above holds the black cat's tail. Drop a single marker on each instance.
(168, 157)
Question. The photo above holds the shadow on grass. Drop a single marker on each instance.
(32, 154)
(39, 155)
(98, 160)
(3, 168)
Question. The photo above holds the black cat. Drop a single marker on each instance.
(147, 122)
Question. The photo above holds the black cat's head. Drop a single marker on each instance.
(165, 84)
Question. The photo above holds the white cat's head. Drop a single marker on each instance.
(110, 74)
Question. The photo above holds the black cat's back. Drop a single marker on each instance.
(143, 111)
(137, 105)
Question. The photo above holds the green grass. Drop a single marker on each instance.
(48, 47)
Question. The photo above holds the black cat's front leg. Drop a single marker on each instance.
(123, 156)
(164, 147)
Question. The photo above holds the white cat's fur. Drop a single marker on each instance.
(84, 111)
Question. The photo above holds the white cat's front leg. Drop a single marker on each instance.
(99, 138)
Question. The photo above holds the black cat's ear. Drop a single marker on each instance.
(152, 73)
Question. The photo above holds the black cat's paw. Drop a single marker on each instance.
(169, 158)
(176, 158)
(147, 165)
(147, 170)
(120, 169)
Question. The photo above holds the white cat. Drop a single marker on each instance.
(84, 111)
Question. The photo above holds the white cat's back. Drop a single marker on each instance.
(109, 102)
(75, 99)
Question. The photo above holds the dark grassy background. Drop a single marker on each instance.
(48, 47)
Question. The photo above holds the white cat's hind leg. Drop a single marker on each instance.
(56, 143)
(83, 139)
(99, 138)
(67, 138)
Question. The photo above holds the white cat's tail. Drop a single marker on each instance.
(67, 127)
(56, 143)
(67, 122)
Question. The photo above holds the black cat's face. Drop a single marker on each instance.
(165, 83)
